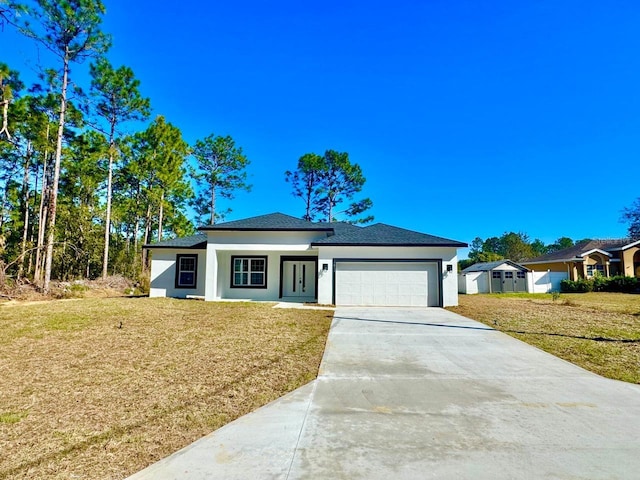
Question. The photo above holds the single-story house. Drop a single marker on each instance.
(493, 277)
(586, 259)
(277, 257)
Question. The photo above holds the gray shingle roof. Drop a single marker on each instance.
(269, 222)
(381, 234)
(487, 266)
(198, 241)
(573, 253)
(339, 233)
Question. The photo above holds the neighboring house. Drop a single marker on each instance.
(277, 257)
(591, 257)
(493, 277)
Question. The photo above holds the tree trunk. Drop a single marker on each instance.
(107, 223)
(42, 217)
(53, 204)
(25, 203)
(2, 207)
(160, 213)
(5, 119)
(213, 205)
(145, 240)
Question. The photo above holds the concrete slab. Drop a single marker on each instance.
(302, 306)
(425, 393)
(259, 445)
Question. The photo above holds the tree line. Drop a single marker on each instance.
(519, 247)
(80, 195)
(513, 246)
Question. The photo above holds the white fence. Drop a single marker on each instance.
(545, 282)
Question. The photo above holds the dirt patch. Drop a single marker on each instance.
(112, 286)
(100, 388)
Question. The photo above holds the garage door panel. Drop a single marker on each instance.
(392, 283)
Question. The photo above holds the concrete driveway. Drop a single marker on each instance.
(425, 393)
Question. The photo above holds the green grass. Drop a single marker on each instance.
(12, 417)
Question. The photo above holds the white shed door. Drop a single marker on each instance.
(387, 284)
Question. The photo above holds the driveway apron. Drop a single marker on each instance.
(409, 393)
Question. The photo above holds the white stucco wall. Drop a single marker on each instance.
(222, 245)
(214, 264)
(448, 256)
(163, 273)
(271, 293)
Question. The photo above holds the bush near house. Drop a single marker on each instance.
(599, 283)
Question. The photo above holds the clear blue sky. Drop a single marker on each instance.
(468, 118)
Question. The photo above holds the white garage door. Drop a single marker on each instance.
(387, 283)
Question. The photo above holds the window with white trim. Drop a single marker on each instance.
(248, 272)
(597, 269)
(186, 271)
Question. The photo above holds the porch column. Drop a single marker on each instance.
(211, 274)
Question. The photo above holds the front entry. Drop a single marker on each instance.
(299, 279)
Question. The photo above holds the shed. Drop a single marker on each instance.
(500, 276)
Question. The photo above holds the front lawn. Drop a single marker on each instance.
(100, 388)
(598, 331)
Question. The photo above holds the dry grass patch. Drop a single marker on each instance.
(598, 331)
(100, 388)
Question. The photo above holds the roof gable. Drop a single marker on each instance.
(487, 266)
(338, 233)
(582, 249)
(381, 234)
(269, 222)
(198, 241)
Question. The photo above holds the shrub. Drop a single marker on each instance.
(601, 284)
(623, 284)
(576, 286)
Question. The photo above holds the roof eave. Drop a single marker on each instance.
(371, 244)
(199, 246)
(559, 260)
(263, 229)
(595, 250)
(630, 245)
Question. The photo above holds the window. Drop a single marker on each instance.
(595, 270)
(508, 274)
(521, 275)
(248, 272)
(186, 269)
(495, 275)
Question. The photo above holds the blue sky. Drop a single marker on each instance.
(468, 118)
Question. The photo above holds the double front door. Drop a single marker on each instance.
(299, 278)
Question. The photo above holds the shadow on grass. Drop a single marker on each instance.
(424, 324)
(579, 337)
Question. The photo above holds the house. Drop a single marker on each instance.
(586, 259)
(277, 257)
(493, 277)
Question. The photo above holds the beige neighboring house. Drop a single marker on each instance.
(591, 257)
